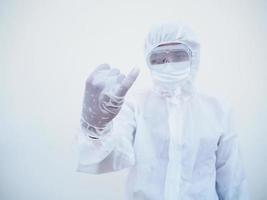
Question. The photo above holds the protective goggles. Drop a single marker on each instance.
(169, 54)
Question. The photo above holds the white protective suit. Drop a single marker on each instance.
(178, 143)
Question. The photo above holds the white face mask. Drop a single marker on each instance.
(171, 74)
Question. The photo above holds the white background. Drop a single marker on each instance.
(47, 48)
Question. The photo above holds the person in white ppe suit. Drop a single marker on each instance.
(176, 142)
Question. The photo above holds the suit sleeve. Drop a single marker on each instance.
(231, 181)
(113, 151)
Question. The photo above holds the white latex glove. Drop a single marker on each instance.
(104, 94)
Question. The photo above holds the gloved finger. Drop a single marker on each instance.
(103, 76)
(113, 83)
(96, 70)
(114, 71)
(103, 66)
(111, 80)
(120, 78)
(100, 79)
(127, 82)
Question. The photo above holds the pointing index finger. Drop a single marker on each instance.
(128, 82)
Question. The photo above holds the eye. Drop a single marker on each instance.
(153, 61)
(165, 60)
(156, 58)
(179, 56)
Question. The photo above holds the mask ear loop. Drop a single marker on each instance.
(190, 57)
(189, 52)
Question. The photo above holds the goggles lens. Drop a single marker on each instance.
(167, 54)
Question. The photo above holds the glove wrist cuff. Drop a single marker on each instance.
(93, 131)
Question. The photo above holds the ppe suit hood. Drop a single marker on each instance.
(170, 32)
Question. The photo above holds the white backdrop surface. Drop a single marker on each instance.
(47, 48)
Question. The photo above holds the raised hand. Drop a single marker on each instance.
(105, 90)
